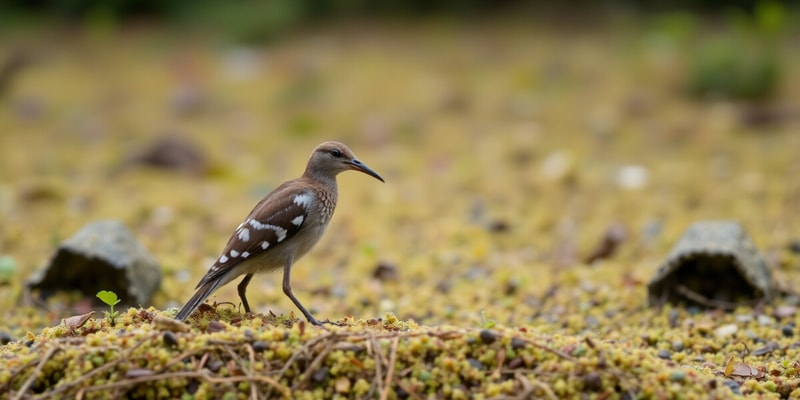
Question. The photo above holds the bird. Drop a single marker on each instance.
(281, 228)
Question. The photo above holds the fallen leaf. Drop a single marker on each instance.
(77, 321)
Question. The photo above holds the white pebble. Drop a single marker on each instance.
(632, 177)
(726, 330)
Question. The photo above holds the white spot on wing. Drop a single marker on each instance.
(298, 220)
(234, 253)
(264, 245)
(246, 254)
(303, 200)
(278, 230)
(223, 259)
(244, 234)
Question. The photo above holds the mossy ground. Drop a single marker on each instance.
(500, 145)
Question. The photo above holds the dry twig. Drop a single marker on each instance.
(35, 374)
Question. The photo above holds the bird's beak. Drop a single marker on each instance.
(359, 166)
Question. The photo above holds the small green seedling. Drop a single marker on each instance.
(487, 323)
(110, 298)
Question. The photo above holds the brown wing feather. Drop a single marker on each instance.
(270, 221)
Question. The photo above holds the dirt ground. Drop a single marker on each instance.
(509, 150)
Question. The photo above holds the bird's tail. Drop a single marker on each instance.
(200, 295)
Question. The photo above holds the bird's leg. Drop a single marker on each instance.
(287, 289)
(242, 288)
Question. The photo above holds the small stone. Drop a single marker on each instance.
(216, 326)
(320, 375)
(5, 338)
(385, 271)
(677, 376)
(214, 365)
(743, 318)
(170, 339)
(475, 364)
(498, 226)
(678, 345)
(664, 354)
(172, 152)
(765, 320)
(260, 346)
(518, 343)
(516, 363)
(559, 166)
(782, 312)
(342, 385)
(488, 336)
(632, 177)
(592, 381)
(726, 330)
(672, 317)
(794, 246)
(788, 330)
(734, 386)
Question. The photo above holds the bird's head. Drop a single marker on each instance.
(331, 158)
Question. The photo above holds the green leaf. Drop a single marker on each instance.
(108, 297)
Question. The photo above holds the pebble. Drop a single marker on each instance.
(734, 386)
(632, 177)
(5, 338)
(782, 312)
(677, 376)
(342, 385)
(385, 271)
(765, 320)
(726, 330)
(320, 375)
(558, 166)
(788, 330)
(517, 343)
(475, 364)
(214, 365)
(215, 326)
(593, 381)
(744, 318)
(678, 345)
(488, 336)
(170, 339)
(260, 346)
(664, 354)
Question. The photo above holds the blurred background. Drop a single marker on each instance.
(526, 146)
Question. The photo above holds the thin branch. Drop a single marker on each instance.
(390, 370)
(35, 374)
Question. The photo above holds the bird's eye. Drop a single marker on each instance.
(336, 153)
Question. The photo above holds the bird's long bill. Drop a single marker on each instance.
(359, 166)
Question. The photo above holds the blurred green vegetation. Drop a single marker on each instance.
(736, 56)
(743, 61)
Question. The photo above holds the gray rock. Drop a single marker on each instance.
(103, 255)
(713, 264)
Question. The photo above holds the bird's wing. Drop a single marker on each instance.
(275, 219)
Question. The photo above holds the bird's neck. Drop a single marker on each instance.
(325, 180)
